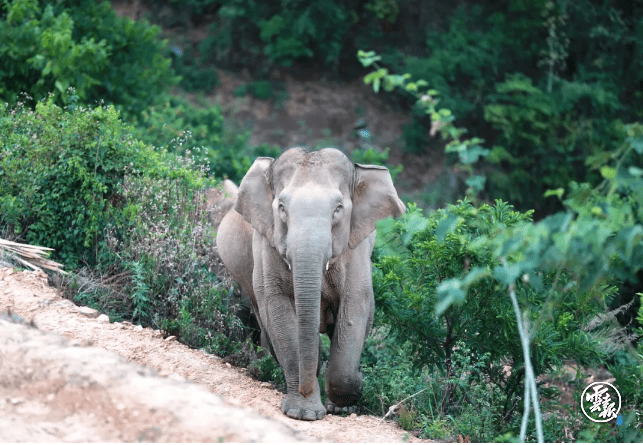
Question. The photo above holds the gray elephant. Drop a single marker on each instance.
(299, 242)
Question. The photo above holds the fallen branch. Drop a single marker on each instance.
(30, 256)
(393, 408)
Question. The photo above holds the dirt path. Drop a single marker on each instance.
(54, 390)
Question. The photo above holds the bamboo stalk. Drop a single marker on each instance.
(31, 256)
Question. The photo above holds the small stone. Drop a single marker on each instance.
(120, 406)
(353, 416)
(16, 400)
(266, 385)
(88, 312)
(138, 328)
(50, 397)
(103, 318)
(228, 365)
(171, 338)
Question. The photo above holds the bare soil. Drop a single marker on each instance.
(147, 388)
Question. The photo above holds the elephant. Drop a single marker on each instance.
(298, 241)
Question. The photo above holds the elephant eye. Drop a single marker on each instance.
(339, 207)
(281, 208)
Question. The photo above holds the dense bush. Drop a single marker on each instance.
(414, 260)
(194, 72)
(60, 171)
(547, 84)
(49, 46)
(565, 269)
(548, 140)
(254, 32)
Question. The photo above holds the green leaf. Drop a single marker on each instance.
(376, 84)
(475, 274)
(506, 274)
(415, 223)
(477, 182)
(635, 171)
(449, 292)
(637, 144)
(447, 225)
(608, 172)
(557, 192)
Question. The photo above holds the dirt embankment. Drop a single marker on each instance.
(73, 389)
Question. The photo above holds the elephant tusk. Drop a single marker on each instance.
(327, 263)
(289, 268)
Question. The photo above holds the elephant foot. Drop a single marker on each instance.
(331, 408)
(296, 407)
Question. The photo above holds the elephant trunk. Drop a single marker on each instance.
(308, 262)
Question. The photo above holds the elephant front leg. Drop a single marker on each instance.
(281, 325)
(343, 379)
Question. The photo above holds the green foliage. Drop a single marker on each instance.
(436, 293)
(599, 237)
(478, 45)
(267, 369)
(469, 150)
(547, 140)
(83, 44)
(74, 160)
(415, 137)
(548, 84)
(199, 132)
(383, 9)
(165, 250)
(284, 32)
(195, 76)
(76, 180)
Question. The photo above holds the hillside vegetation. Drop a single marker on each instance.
(537, 266)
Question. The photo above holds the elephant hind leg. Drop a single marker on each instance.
(342, 388)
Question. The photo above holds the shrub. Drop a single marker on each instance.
(548, 140)
(50, 46)
(195, 76)
(415, 262)
(200, 132)
(74, 160)
(253, 32)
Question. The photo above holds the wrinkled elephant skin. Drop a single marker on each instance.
(299, 242)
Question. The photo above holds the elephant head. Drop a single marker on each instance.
(312, 207)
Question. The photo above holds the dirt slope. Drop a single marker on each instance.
(57, 390)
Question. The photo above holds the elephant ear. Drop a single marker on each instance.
(254, 200)
(374, 198)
